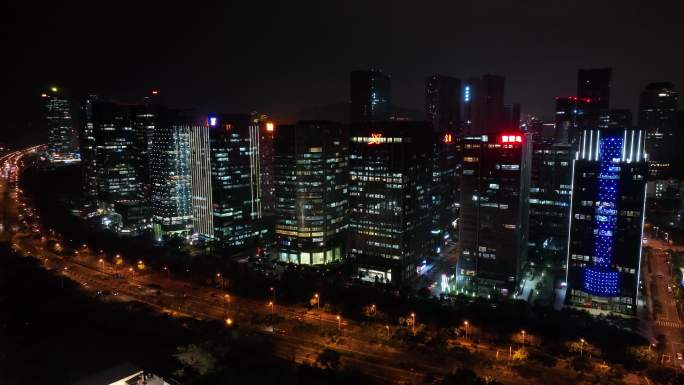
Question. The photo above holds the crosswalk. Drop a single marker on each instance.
(670, 324)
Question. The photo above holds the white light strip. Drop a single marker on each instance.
(598, 144)
(624, 145)
(567, 259)
(591, 143)
(631, 148)
(584, 143)
(638, 156)
(641, 244)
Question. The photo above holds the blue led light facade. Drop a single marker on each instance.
(601, 279)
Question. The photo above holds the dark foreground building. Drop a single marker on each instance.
(389, 218)
(606, 227)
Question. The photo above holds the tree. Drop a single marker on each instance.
(197, 358)
(463, 376)
(329, 359)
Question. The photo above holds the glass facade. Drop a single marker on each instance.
(493, 224)
(120, 178)
(310, 176)
(390, 168)
(62, 138)
(170, 174)
(606, 223)
(236, 196)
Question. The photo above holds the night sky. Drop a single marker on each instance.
(280, 57)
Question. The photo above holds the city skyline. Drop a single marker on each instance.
(279, 80)
(377, 193)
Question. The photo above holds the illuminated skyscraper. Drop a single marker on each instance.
(236, 188)
(493, 223)
(607, 218)
(370, 95)
(87, 145)
(310, 168)
(62, 138)
(657, 115)
(200, 170)
(117, 157)
(390, 165)
(170, 173)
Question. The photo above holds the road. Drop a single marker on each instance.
(659, 284)
(126, 282)
(299, 334)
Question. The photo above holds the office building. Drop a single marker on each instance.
(310, 177)
(593, 88)
(169, 165)
(266, 135)
(62, 139)
(550, 194)
(442, 107)
(512, 116)
(370, 95)
(117, 149)
(607, 218)
(617, 117)
(594, 84)
(493, 223)
(389, 201)
(443, 103)
(200, 173)
(483, 105)
(235, 170)
(657, 115)
(87, 146)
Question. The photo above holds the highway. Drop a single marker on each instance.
(125, 282)
(659, 284)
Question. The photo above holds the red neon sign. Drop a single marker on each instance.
(447, 138)
(375, 139)
(510, 138)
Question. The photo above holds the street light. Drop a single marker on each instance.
(466, 328)
(413, 323)
(229, 322)
(62, 275)
(523, 338)
(339, 323)
(102, 263)
(318, 301)
(388, 331)
(581, 346)
(273, 291)
(168, 272)
(272, 305)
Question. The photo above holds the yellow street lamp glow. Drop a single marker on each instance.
(53, 89)
(229, 321)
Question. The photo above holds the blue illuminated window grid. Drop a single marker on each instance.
(601, 279)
